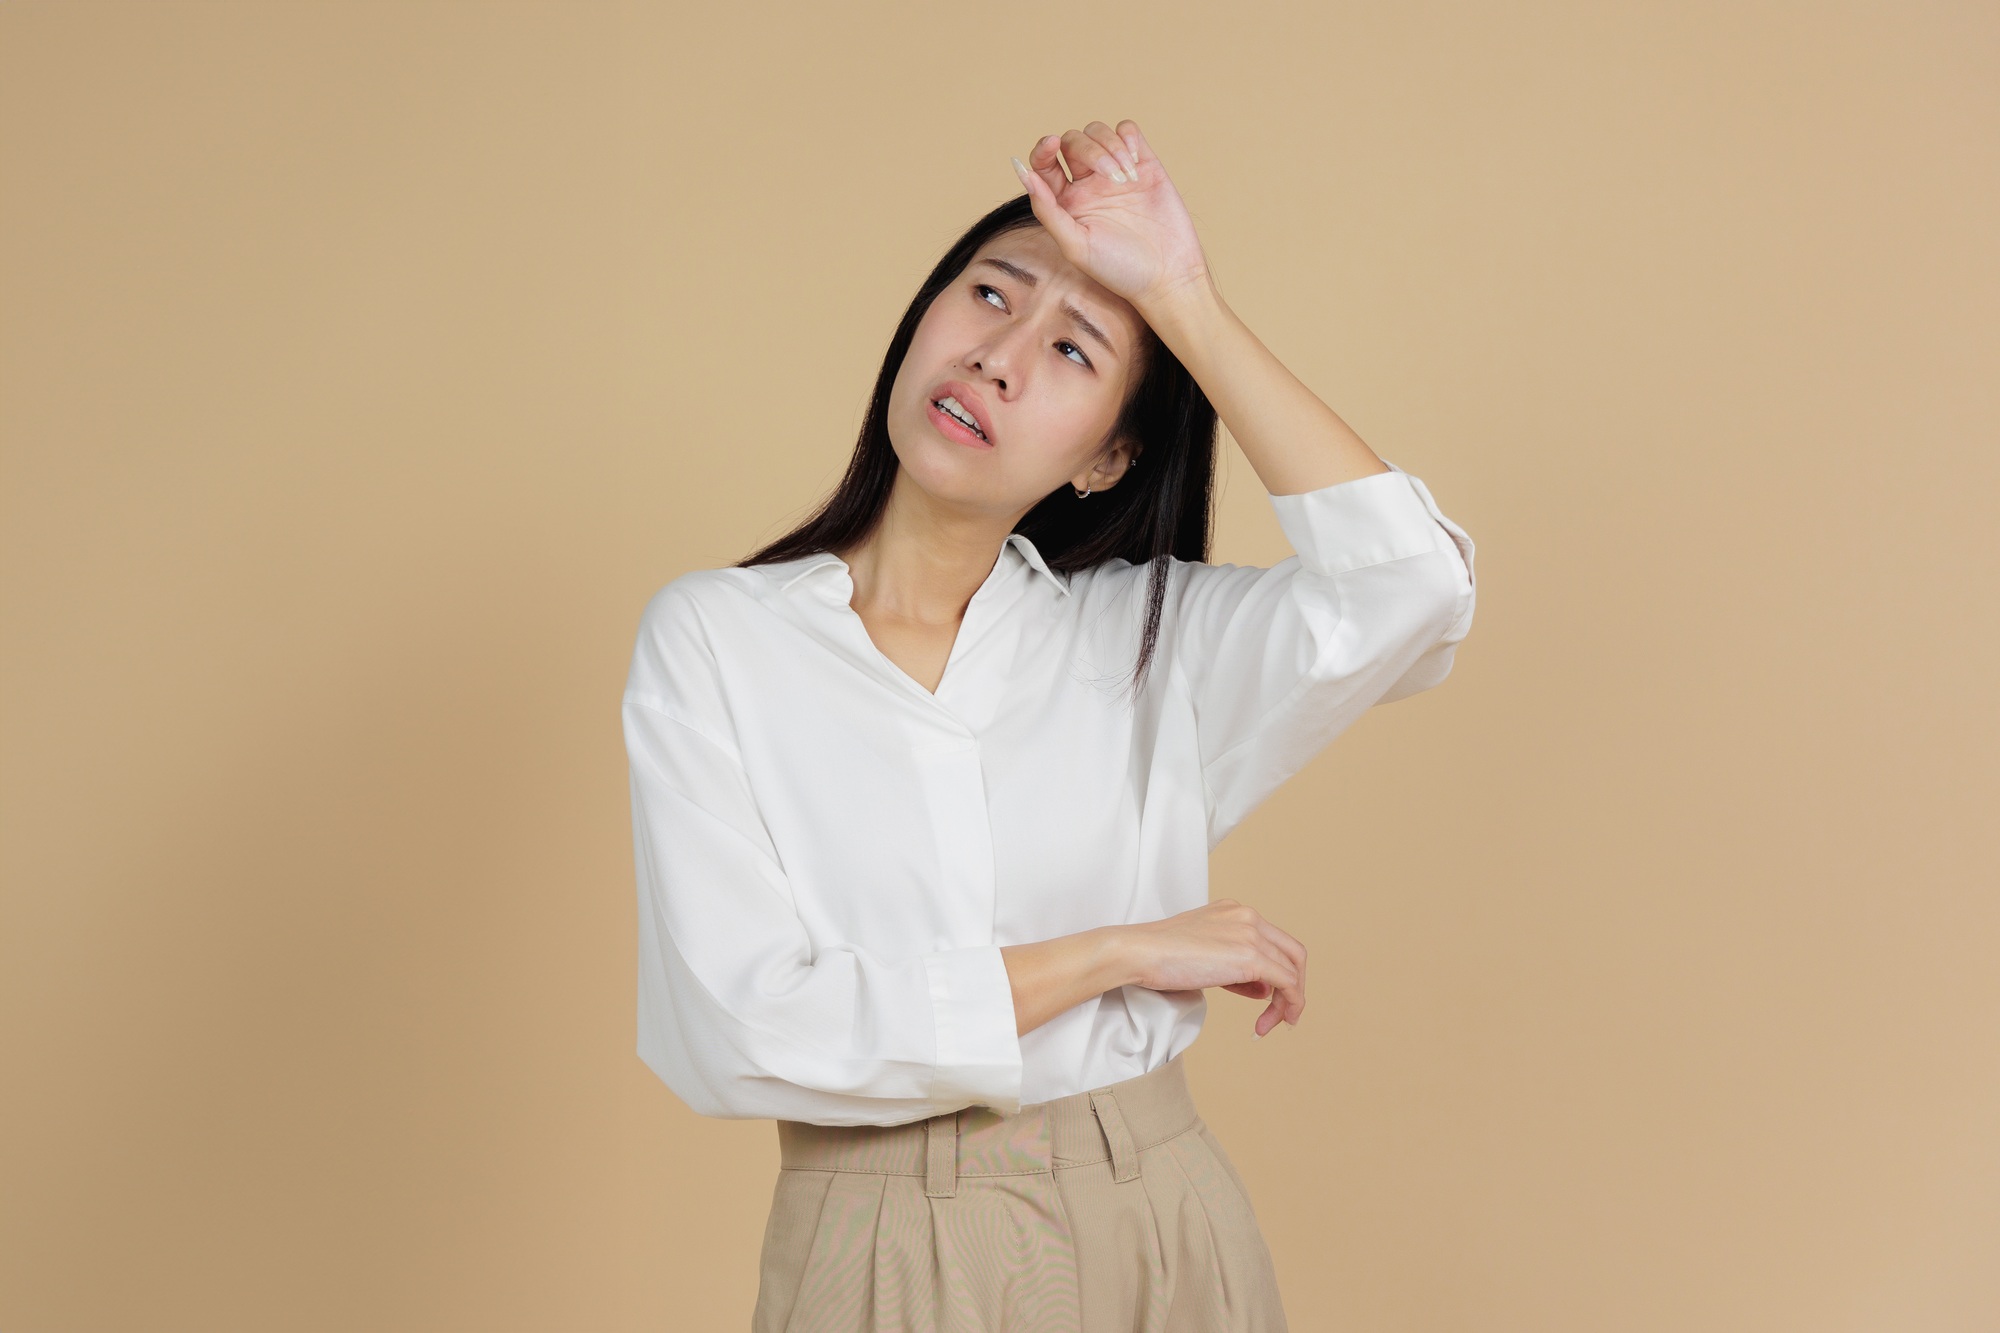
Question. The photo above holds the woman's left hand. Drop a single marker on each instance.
(1134, 236)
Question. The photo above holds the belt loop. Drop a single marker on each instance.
(1124, 1157)
(941, 1156)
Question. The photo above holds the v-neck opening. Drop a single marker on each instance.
(998, 576)
(950, 657)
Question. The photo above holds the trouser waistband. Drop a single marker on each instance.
(1114, 1123)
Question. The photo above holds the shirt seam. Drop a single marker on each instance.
(661, 707)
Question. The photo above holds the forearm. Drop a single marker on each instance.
(1050, 976)
(1295, 442)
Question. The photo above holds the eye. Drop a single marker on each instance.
(980, 289)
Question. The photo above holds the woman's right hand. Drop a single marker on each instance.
(1226, 944)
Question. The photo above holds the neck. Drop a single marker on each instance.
(923, 562)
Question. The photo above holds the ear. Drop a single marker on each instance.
(1109, 468)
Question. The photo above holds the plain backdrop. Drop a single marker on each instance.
(366, 366)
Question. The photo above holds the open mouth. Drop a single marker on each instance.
(951, 408)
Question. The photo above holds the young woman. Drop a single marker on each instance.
(918, 879)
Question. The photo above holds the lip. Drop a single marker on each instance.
(967, 399)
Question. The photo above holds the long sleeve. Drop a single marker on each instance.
(739, 1013)
(1279, 661)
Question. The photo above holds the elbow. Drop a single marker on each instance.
(704, 1054)
(718, 1078)
(730, 1066)
(703, 1073)
(1428, 672)
(1451, 594)
(1450, 599)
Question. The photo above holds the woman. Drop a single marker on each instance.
(917, 879)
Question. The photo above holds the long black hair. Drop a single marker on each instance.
(1161, 509)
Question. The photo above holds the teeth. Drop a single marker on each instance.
(955, 408)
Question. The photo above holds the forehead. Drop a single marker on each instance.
(1036, 250)
(1033, 249)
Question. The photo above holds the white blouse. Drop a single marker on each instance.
(829, 856)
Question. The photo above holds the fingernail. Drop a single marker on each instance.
(1256, 1036)
(1117, 175)
(1019, 166)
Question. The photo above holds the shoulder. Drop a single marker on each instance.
(674, 654)
(1119, 586)
(700, 595)
(1118, 582)
(1111, 601)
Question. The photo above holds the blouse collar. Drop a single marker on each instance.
(814, 564)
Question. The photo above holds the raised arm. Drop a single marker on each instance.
(1370, 608)
(1380, 591)
(1122, 221)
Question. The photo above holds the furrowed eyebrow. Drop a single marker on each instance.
(1077, 317)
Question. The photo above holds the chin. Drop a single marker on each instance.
(944, 470)
(947, 479)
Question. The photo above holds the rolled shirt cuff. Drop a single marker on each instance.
(1360, 522)
(978, 1049)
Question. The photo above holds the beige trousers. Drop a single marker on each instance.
(1113, 1209)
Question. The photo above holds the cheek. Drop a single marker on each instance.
(1077, 415)
(944, 330)
(929, 358)
(1057, 435)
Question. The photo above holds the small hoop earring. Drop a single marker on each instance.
(1082, 493)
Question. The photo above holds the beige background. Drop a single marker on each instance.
(367, 366)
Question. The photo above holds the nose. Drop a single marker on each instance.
(998, 358)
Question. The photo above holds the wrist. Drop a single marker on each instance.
(1189, 300)
(1119, 954)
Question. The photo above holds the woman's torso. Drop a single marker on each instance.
(1030, 796)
